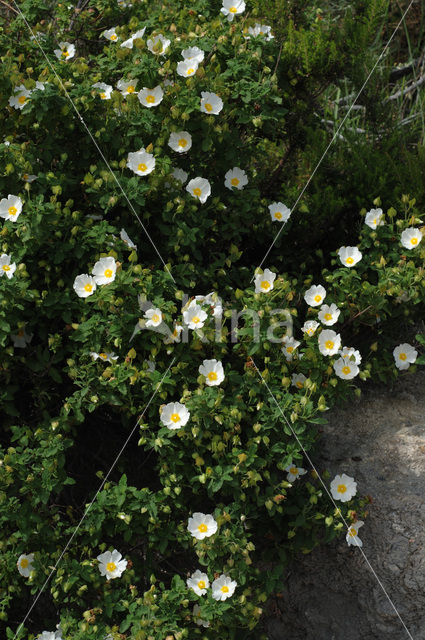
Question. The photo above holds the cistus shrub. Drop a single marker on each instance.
(161, 396)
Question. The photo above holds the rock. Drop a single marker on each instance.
(332, 594)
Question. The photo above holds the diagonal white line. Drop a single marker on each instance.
(93, 500)
(93, 139)
(335, 135)
(331, 498)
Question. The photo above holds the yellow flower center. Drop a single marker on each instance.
(317, 298)
(414, 241)
(88, 287)
(201, 584)
(111, 566)
(195, 319)
(208, 107)
(155, 317)
(12, 211)
(233, 10)
(349, 260)
(141, 167)
(310, 332)
(65, 53)
(374, 221)
(108, 273)
(113, 36)
(150, 99)
(278, 215)
(299, 384)
(197, 192)
(225, 589)
(293, 470)
(130, 89)
(103, 356)
(329, 344)
(328, 316)
(24, 563)
(103, 96)
(289, 349)
(202, 528)
(182, 142)
(175, 417)
(234, 182)
(190, 71)
(342, 488)
(402, 356)
(6, 267)
(352, 532)
(265, 285)
(212, 375)
(346, 370)
(22, 99)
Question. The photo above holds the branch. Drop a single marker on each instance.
(408, 89)
(9, 7)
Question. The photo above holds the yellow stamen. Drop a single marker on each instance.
(234, 182)
(190, 71)
(111, 566)
(130, 88)
(278, 215)
(225, 589)
(329, 344)
(108, 273)
(6, 267)
(349, 260)
(212, 375)
(24, 563)
(141, 167)
(208, 107)
(175, 417)
(265, 284)
(328, 316)
(197, 192)
(22, 99)
(88, 287)
(150, 99)
(182, 142)
(342, 488)
(414, 241)
(346, 370)
(317, 298)
(12, 211)
(201, 584)
(402, 356)
(202, 528)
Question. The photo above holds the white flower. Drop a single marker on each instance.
(199, 582)
(48, 635)
(201, 525)
(180, 141)
(309, 327)
(141, 162)
(195, 317)
(187, 68)
(25, 564)
(10, 208)
(27, 177)
(21, 339)
(20, 98)
(199, 188)
(290, 344)
(158, 44)
(40, 85)
(194, 54)
(180, 175)
(315, 295)
(126, 86)
(352, 534)
(105, 356)
(65, 52)
(105, 90)
(223, 587)
(111, 565)
(235, 178)
(197, 616)
(150, 97)
(6, 267)
(404, 356)
(294, 472)
(329, 342)
(264, 281)
(175, 335)
(298, 380)
(126, 239)
(343, 488)
(329, 315)
(374, 218)
(110, 34)
(351, 354)
(349, 256)
(279, 211)
(345, 368)
(231, 8)
(104, 270)
(260, 30)
(410, 238)
(213, 372)
(84, 285)
(211, 103)
(128, 44)
(154, 317)
(174, 415)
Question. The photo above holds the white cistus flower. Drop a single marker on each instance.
(410, 238)
(128, 44)
(262, 30)
(158, 45)
(6, 268)
(180, 175)
(351, 354)
(235, 179)
(126, 86)
(194, 54)
(180, 141)
(111, 564)
(105, 90)
(315, 295)
(309, 327)
(329, 314)
(141, 162)
(10, 208)
(21, 339)
(279, 212)
(298, 380)
(213, 372)
(126, 239)
(231, 8)
(187, 68)
(294, 472)
(404, 356)
(20, 97)
(349, 256)
(194, 317)
(201, 525)
(352, 534)
(199, 188)
(329, 342)
(105, 356)
(373, 218)
(153, 317)
(84, 285)
(25, 564)
(174, 415)
(110, 34)
(211, 103)
(104, 270)
(150, 97)
(343, 488)
(223, 587)
(345, 368)
(65, 52)
(264, 281)
(198, 618)
(199, 582)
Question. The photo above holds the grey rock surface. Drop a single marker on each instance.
(331, 594)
